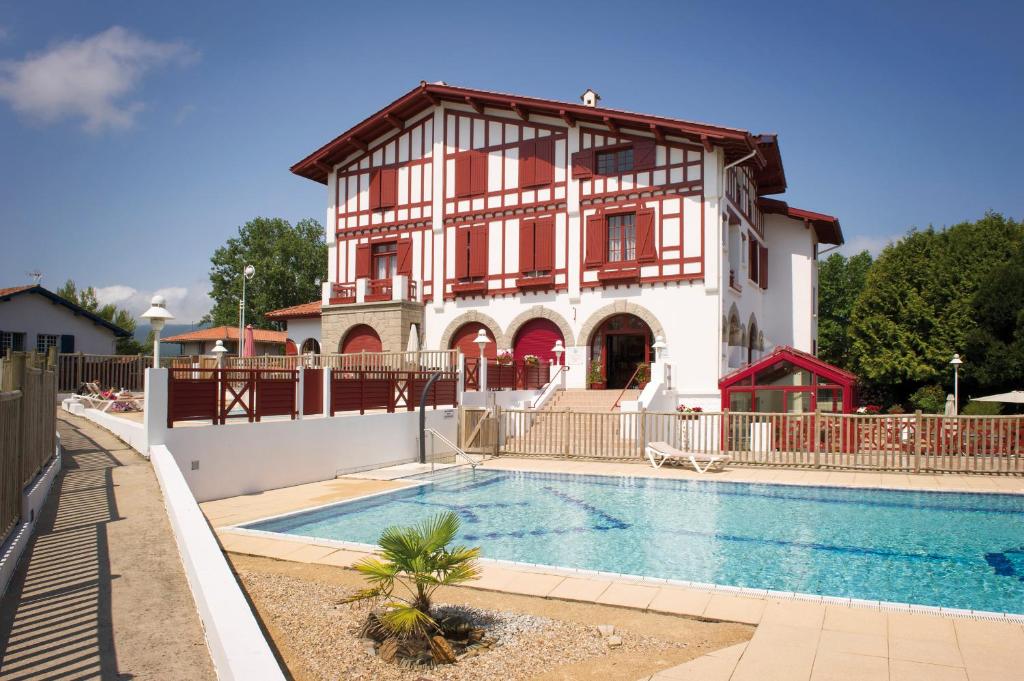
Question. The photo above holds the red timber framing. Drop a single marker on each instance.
(770, 385)
(217, 395)
(741, 192)
(362, 391)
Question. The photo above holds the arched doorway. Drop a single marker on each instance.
(620, 343)
(361, 338)
(311, 345)
(290, 348)
(463, 339)
(751, 341)
(537, 337)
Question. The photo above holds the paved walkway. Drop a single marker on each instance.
(102, 593)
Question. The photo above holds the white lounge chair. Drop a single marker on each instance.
(660, 452)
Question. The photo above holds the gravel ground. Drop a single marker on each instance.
(310, 617)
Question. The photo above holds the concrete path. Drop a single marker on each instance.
(102, 593)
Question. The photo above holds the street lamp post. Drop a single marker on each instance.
(558, 350)
(157, 315)
(956, 362)
(247, 274)
(481, 341)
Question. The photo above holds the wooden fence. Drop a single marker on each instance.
(216, 395)
(514, 375)
(28, 427)
(391, 390)
(911, 442)
(434, 360)
(109, 371)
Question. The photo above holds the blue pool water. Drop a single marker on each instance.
(943, 549)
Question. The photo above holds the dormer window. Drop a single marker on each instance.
(615, 161)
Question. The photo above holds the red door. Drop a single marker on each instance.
(361, 338)
(537, 337)
(464, 337)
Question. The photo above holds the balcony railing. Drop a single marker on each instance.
(378, 289)
(375, 290)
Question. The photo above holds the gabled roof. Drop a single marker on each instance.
(8, 293)
(802, 359)
(736, 142)
(306, 310)
(226, 333)
(825, 226)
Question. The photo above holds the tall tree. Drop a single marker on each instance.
(290, 262)
(917, 306)
(995, 348)
(840, 281)
(86, 299)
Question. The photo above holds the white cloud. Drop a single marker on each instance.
(88, 78)
(872, 243)
(186, 303)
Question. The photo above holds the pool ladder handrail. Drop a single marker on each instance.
(458, 450)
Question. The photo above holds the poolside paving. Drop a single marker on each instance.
(795, 640)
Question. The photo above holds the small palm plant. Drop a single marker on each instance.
(414, 562)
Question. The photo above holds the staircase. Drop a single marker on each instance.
(592, 429)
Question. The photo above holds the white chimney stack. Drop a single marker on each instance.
(590, 98)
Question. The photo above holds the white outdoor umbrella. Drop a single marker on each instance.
(950, 406)
(1014, 397)
(414, 339)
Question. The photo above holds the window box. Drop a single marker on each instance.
(469, 287)
(627, 274)
(538, 282)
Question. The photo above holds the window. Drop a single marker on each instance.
(45, 341)
(12, 340)
(471, 173)
(616, 161)
(753, 260)
(385, 260)
(536, 247)
(383, 188)
(621, 237)
(471, 252)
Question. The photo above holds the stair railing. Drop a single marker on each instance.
(458, 450)
(554, 383)
(629, 383)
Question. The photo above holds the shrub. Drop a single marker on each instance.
(982, 409)
(930, 399)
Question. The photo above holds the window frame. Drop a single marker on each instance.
(391, 254)
(621, 240)
(617, 151)
(39, 340)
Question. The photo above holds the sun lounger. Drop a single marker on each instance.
(660, 452)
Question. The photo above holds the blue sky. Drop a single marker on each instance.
(137, 137)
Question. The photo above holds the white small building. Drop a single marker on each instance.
(35, 319)
(454, 210)
(302, 326)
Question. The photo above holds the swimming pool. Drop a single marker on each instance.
(929, 548)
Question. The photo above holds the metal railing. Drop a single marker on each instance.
(456, 450)
(424, 360)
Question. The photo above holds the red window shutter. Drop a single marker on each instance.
(544, 249)
(462, 253)
(405, 257)
(463, 175)
(478, 168)
(362, 261)
(527, 246)
(583, 164)
(388, 187)
(752, 258)
(544, 172)
(527, 163)
(644, 154)
(375, 181)
(478, 251)
(763, 266)
(597, 236)
(645, 250)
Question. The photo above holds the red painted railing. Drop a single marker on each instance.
(343, 293)
(515, 375)
(358, 390)
(219, 394)
(378, 289)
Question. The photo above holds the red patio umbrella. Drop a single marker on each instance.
(249, 349)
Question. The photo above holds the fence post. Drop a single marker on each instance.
(642, 431)
(815, 422)
(918, 423)
(566, 434)
(723, 444)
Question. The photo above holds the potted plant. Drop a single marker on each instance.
(505, 357)
(405, 626)
(643, 374)
(531, 360)
(595, 376)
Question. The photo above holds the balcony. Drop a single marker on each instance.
(398, 288)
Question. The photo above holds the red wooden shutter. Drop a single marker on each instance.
(527, 247)
(388, 187)
(362, 261)
(645, 250)
(478, 168)
(405, 257)
(375, 180)
(544, 249)
(583, 164)
(644, 154)
(527, 163)
(763, 266)
(543, 163)
(597, 247)
(462, 252)
(463, 175)
(752, 258)
(478, 251)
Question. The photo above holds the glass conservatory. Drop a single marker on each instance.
(788, 381)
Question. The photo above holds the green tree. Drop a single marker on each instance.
(290, 262)
(917, 306)
(995, 348)
(86, 299)
(840, 282)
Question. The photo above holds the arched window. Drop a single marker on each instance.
(463, 339)
(537, 337)
(310, 346)
(361, 338)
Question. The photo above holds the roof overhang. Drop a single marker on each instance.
(826, 227)
(78, 310)
(735, 142)
(788, 353)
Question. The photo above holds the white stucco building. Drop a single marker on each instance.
(453, 210)
(35, 319)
